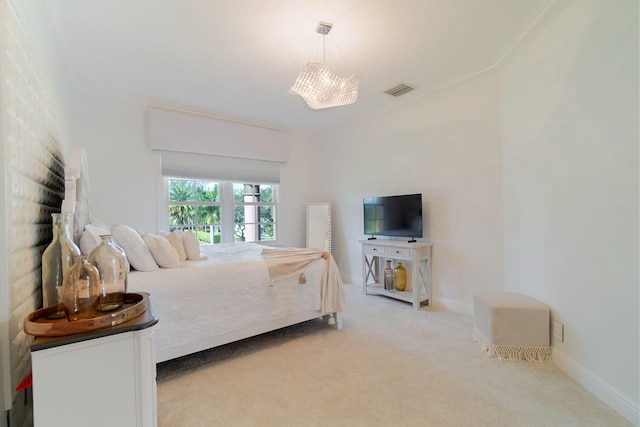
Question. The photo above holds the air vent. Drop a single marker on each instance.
(400, 89)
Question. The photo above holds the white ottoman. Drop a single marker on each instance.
(512, 326)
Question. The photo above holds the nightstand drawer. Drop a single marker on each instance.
(374, 250)
(400, 253)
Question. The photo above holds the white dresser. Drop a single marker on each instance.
(102, 378)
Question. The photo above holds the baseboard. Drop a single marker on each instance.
(597, 387)
(351, 280)
(448, 304)
(454, 306)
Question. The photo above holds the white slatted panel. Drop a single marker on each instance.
(33, 182)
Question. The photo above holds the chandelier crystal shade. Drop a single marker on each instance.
(322, 88)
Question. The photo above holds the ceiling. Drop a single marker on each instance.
(238, 58)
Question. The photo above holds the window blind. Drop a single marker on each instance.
(214, 168)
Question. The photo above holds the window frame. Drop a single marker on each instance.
(256, 205)
(227, 206)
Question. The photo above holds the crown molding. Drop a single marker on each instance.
(538, 21)
(175, 108)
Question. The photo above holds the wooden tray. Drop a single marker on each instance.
(38, 325)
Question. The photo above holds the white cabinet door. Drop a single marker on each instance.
(105, 381)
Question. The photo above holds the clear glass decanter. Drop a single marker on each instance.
(110, 261)
(57, 259)
(81, 290)
(389, 277)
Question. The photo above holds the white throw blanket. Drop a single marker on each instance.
(284, 263)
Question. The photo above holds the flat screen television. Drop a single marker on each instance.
(393, 216)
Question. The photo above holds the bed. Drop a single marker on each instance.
(231, 296)
(230, 292)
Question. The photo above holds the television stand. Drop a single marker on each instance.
(418, 257)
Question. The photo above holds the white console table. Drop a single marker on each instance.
(102, 378)
(418, 254)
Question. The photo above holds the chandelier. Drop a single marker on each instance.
(320, 87)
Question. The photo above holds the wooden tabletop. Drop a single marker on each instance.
(143, 321)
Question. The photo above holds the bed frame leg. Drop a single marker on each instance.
(335, 321)
(338, 322)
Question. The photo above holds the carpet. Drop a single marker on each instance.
(389, 366)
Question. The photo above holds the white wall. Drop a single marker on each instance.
(570, 150)
(122, 168)
(124, 171)
(301, 182)
(447, 147)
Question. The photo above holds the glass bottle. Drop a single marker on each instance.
(81, 290)
(401, 277)
(389, 277)
(110, 261)
(57, 259)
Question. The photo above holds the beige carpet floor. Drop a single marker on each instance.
(388, 366)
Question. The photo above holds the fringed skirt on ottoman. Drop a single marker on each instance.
(512, 326)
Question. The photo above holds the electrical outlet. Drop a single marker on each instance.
(558, 331)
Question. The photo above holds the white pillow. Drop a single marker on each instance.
(163, 253)
(175, 238)
(191, 246)
(134, 247)
(87, 243)
(91, 236)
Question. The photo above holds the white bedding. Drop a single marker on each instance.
(228, 293)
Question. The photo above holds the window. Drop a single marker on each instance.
(222, 211)
(195, 205)
(254, 212)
